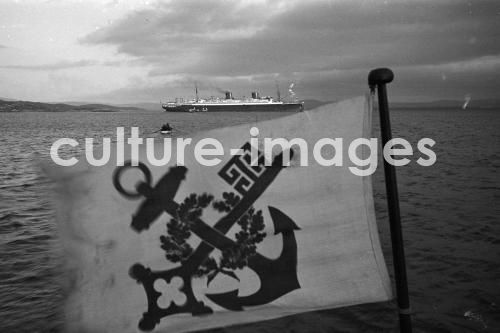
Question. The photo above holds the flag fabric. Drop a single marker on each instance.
(194, 247)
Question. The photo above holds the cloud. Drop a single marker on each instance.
(309, 41)
(179, 34)
(231, 38)
(452, 80)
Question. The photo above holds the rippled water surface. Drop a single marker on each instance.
(450, 215)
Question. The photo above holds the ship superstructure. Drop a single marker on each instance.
(215, 104)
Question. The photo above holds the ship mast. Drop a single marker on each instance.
(196, 90)
(278, 91)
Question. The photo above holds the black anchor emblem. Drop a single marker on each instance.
(278, 276)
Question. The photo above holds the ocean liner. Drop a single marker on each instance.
(214, 104)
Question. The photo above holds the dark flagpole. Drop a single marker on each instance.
(378, 78)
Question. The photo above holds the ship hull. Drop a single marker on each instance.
(287, 107)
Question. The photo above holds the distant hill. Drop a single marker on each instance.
(93, 107)
(144, 106)
(450, 104)
(433, 105)
(20, 106)
(440, 104)
(310, 104)
(7, 99)
(11, 105)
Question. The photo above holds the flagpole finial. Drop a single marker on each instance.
(380, 76)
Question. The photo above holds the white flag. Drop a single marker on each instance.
(193, 247)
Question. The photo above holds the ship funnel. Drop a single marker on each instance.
(229, 95)
(255, 95)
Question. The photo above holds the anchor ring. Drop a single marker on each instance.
(128, 165)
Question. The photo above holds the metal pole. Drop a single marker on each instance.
(378, 78)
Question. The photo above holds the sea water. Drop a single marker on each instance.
(450, 215)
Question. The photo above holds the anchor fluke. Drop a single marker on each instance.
(277, 276)
(228, 300)
(282, 223)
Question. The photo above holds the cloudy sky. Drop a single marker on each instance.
(145, 51)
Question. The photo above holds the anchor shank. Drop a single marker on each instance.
(225, 223)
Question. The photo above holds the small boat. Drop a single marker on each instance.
(166, 129)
